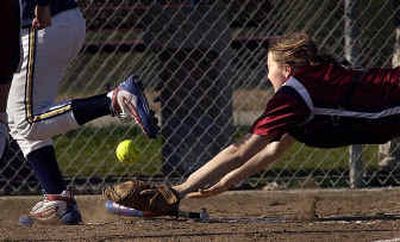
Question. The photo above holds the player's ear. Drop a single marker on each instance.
(287, 71)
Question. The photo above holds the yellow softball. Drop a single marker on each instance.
(126, 151)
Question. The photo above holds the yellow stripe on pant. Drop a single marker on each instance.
(30, 117)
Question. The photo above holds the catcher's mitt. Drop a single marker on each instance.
(160, 200)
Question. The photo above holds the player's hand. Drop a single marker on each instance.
(42, 17)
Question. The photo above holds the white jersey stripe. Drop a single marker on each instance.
(294, 83)
(302, 91)
(354, 114)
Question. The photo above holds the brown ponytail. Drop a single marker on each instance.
(297, 50)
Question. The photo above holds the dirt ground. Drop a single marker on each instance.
(294, 215)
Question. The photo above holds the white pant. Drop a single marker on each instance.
(33, 117)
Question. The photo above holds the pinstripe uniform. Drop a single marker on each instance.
(33, 116)
(329, 106)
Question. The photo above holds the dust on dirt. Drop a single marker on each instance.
(300, 215)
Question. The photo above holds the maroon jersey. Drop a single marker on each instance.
(330, 106)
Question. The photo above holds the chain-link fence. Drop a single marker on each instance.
(203, 64)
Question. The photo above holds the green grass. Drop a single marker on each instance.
(301, 156)
(90, 152)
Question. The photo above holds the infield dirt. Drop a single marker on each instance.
(293, 215)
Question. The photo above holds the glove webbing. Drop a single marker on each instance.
(168, 194)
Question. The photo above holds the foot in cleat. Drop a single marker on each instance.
(128, 101)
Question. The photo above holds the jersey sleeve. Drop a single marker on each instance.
(284, 111)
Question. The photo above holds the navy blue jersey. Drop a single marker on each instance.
(10, 40)
(56, 6)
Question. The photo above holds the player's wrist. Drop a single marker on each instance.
(180, 190)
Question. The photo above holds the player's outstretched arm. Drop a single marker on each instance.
(225, 161)
(256, 164)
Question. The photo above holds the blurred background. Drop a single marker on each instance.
(203, 66)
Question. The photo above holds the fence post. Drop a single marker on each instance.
(195, 93)
(389, 153)
(351, 50)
